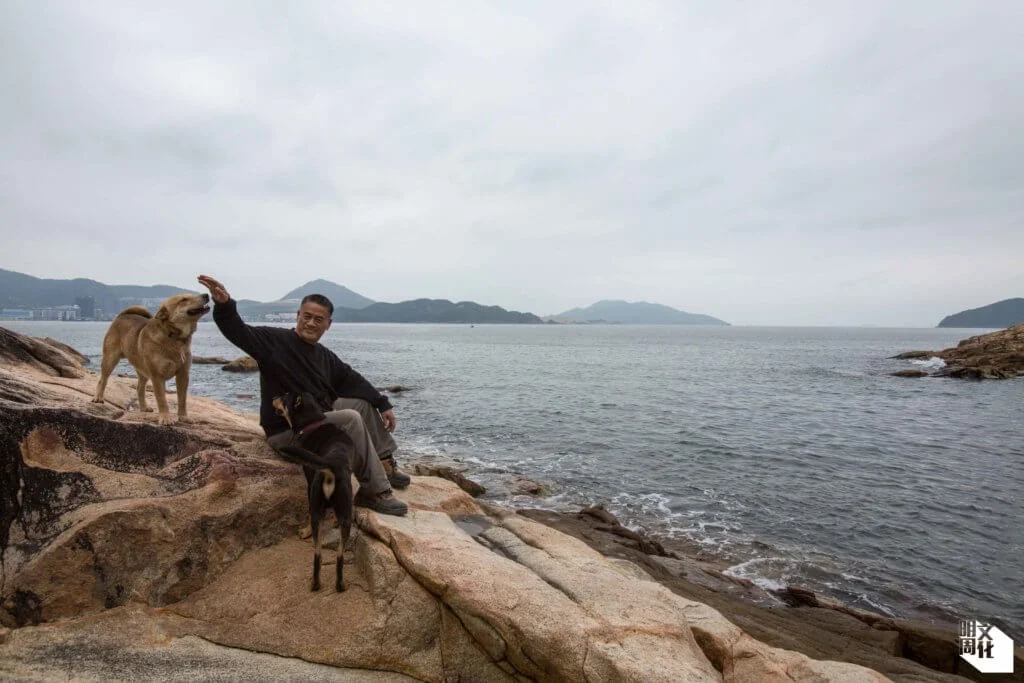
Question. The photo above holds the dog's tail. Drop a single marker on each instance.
(135, 310)
(301, 456)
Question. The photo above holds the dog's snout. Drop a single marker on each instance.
(206, 298)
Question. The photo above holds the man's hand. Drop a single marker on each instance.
(217, 291)
(388, 416)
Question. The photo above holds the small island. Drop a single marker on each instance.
(1001, 314)
(634, 313)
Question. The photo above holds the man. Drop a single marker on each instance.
(294, 360)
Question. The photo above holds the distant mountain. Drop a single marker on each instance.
(150, 291)
(18, 290)
(433, 311)
(635, 313)
(339, 295)
(998, 315)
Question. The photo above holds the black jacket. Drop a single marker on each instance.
(289, 364)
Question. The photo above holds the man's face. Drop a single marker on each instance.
(311, 322)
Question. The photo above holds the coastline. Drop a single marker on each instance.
(801, 621)
(791, 617)
(806, 624)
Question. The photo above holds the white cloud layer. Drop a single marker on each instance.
(766, 163)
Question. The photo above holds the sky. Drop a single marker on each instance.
(766, 163)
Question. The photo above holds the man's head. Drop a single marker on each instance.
(313, 318)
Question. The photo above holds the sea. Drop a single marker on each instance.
(788, 454)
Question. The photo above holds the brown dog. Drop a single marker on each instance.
(158, 347)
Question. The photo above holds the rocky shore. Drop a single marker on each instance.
(996, 355)
(133, 551)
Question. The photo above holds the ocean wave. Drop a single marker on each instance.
(754, 571)
(875, 605)
(933, 363)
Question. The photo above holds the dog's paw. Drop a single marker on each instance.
(306, 531)
(145, 409)
(184, 418)
(166, 419)
(97, 400)
(315, 586)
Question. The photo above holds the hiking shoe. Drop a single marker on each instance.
(398, 480)
(384, 503)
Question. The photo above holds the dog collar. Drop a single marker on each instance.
(311, 428)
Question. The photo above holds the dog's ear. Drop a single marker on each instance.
(298, 400)
(281, 409)
(163, 314)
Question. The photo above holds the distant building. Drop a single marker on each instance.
(73, 312)
(87, 307)
(148, 302)
(15, 314)
(57, 313)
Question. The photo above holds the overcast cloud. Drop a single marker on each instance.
(818, 163)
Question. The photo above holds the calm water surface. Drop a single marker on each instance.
(788, 452)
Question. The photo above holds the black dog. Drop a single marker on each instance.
(325, 453)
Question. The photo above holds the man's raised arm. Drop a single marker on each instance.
(230, 324)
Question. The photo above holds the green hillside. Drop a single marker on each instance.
(997, 316)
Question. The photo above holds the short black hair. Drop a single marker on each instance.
(319, 300)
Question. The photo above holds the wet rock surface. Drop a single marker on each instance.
(394, 388)
(209, 360)
(451, 474)
(909, 373)
(487, 483)
(243, 364)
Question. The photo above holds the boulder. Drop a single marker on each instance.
(495, 483)
(451, 474)
(243, 364)
(913, 354)
(209, 360)
(512, 484)
(525, 486)
(978, 372)
(73, 352)
(18, 350)
(909, 373)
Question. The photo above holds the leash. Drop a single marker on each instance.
(310, 428)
